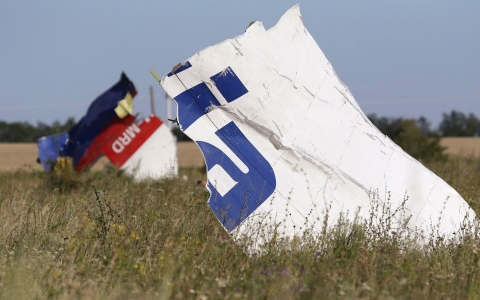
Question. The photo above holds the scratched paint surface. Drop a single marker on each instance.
(285, 142)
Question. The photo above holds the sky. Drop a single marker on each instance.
(399, 58)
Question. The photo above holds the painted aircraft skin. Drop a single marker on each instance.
(85, 142)
(143, 150)
(49, 148)
(287, 146)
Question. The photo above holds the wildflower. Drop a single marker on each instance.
(140, 268)
(121, 228)
(134, 235)
(302, 270)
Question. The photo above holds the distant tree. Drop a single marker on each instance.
(412, 139)
(16, 132)
(24, 132)
(391, 127)
(414, 136)
(424, 125)
(458, 124)
(388, 126)
(181, 137)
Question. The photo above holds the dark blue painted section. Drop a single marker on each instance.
(49, 149)
(183, 67)
(99, 115)
(252, 188)
(194, 103)
(229, 85)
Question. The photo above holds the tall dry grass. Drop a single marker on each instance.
(99, 235)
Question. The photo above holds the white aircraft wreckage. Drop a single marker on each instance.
(144, 150)
(286, 144)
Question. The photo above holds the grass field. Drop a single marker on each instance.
(99, 235)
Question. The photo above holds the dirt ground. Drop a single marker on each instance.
(15, 156)
(462, 145)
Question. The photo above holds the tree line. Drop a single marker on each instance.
(24, 132)
(415, 136)
(418, 139)
(454, 123)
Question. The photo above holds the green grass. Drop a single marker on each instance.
(99, 235)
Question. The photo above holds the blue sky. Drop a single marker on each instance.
(399, 58)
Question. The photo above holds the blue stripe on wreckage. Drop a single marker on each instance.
(49, 149)
(251, 188)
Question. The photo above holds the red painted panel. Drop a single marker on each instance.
(127, 142)
(114, 129)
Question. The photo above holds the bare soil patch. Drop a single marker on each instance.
(462, 145)
(189, 155)
(14, 156)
